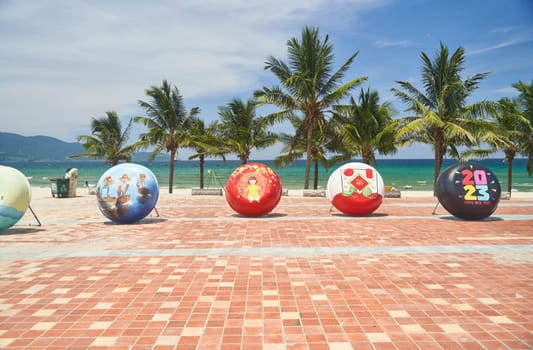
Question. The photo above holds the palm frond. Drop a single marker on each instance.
(341, 91)
(336, 77)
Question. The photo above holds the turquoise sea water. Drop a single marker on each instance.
(417, 173)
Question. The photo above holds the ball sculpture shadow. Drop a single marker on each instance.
(468, 191)
(253, 189)
(355, 189)
(15, 196)
(127, 193)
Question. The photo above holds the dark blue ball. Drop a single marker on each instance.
(468, 191)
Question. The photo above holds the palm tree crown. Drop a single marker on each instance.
(441, 116)
(168, 122)
(525, 101)
(295, 145)
(365, 127)
(308, 84)
(513, 127)
(205, 142)
(108, 140)
(242, 130)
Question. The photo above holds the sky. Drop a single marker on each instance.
(64, 62)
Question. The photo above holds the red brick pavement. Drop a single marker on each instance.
(96, 287)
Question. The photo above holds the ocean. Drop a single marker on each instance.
(412, 174)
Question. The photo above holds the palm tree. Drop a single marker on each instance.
(441, 116)
(294, 147)
(365, 128)
(107, 141)
(514, 127)
(242, 130)
(310, 85)
(168, 123)
(205, 142)
(525, 101)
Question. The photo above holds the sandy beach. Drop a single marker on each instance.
(199, 276)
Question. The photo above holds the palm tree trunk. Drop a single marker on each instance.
(439, 155)
(202, 163)
(510, 177)
(368, 155)
(315, 180)
(171, 175)
(509, 156)
(436, 173)
(308, 154)
(244, 157)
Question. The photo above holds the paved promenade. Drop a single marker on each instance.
(200, 276)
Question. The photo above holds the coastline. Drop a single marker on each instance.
(42, 192)
(403, 174)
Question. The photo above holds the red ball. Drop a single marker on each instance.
(253, 189)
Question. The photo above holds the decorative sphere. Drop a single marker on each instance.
(127, 193)
(355, 189)
(15, 195)
(468, 191)
(253, 189)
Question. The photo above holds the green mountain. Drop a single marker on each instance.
(19, 148)
(14, 147)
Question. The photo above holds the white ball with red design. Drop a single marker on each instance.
(356, 189)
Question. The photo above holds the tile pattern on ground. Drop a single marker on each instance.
(352, 301)
(209, 301)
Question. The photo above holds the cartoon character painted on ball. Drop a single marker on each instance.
(127, 193)
(253, 189)
(355, 189)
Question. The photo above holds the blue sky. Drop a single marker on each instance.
(64, 62)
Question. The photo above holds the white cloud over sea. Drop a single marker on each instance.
(63, 62)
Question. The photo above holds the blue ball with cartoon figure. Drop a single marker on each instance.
(15, 195)
(127, 193)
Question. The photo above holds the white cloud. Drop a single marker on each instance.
(497, 46)
(398, 43)
(511, 40)
(508, 91)
(66, 61)
(503, 29)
